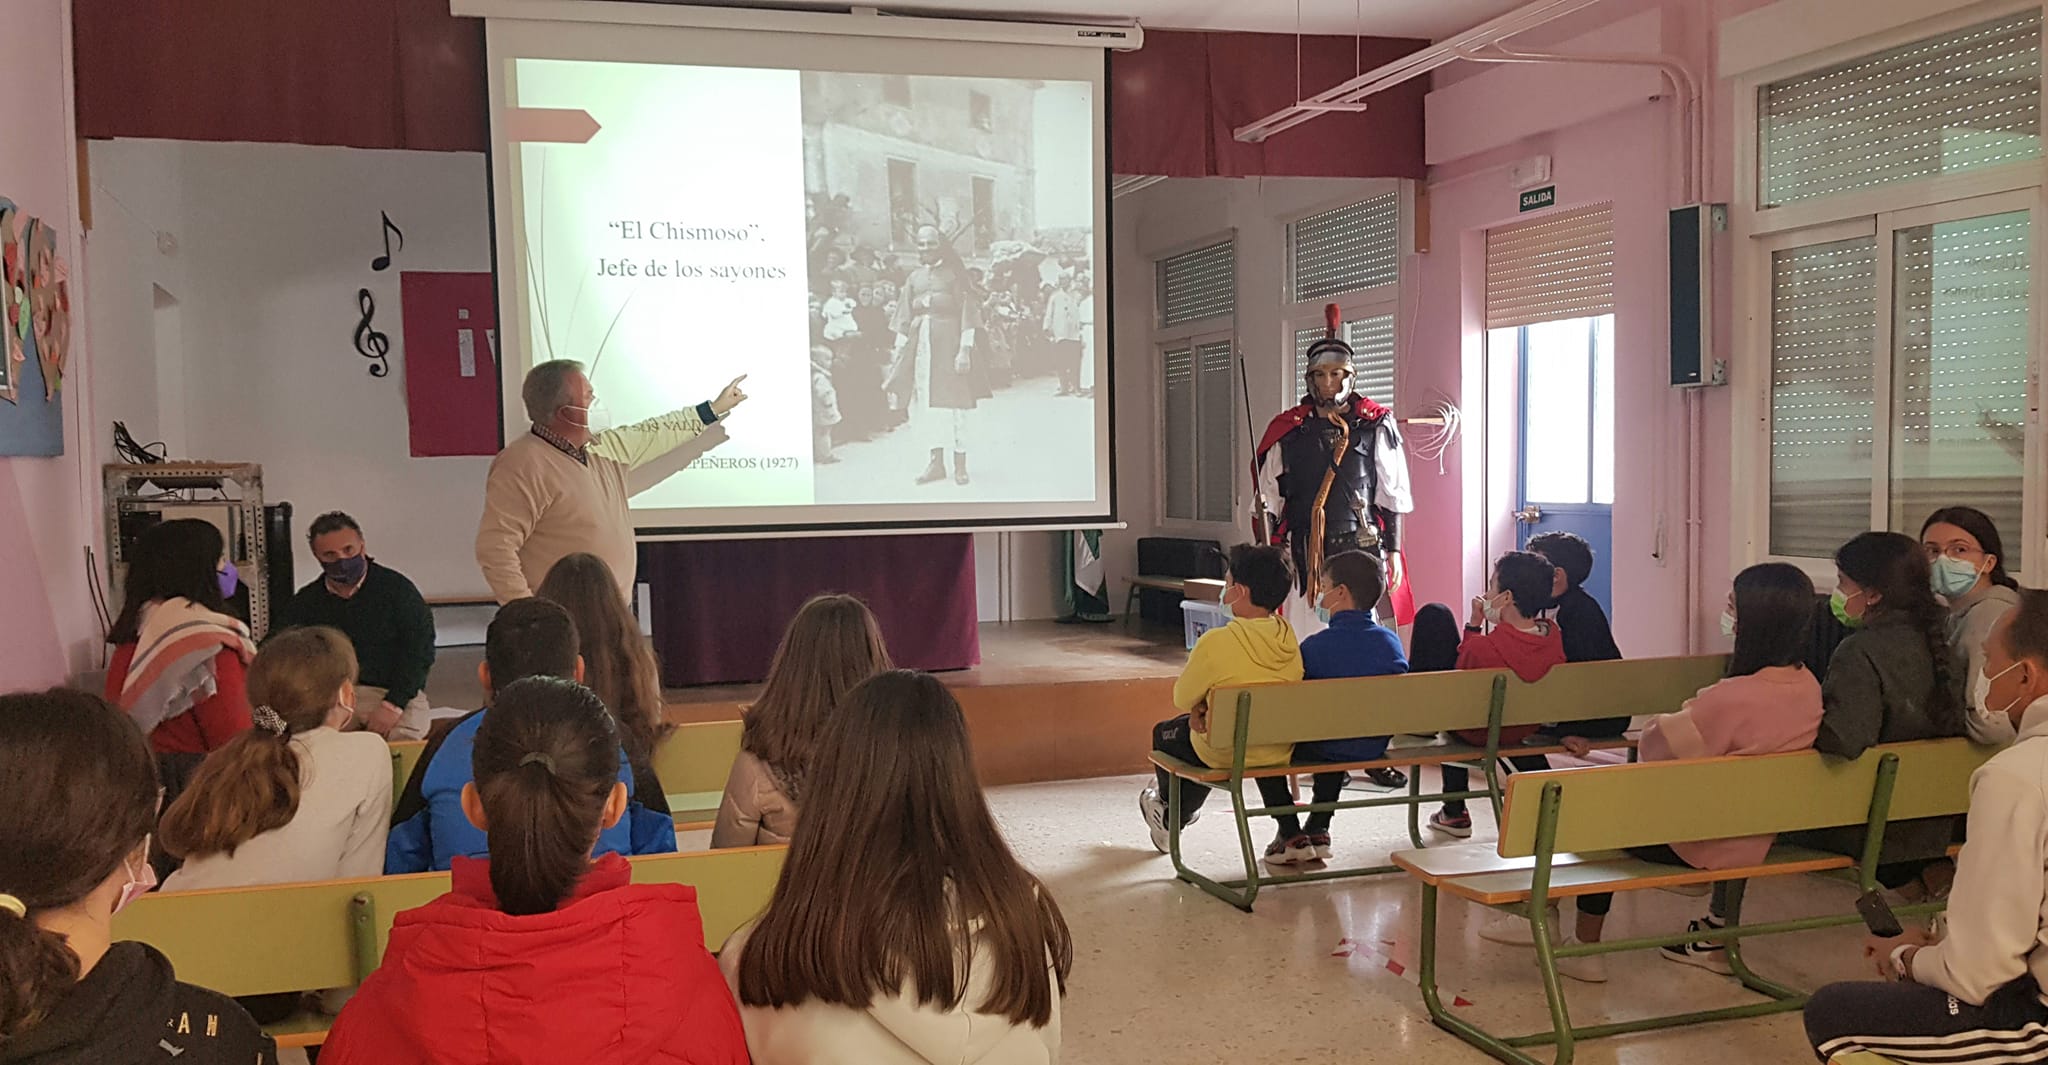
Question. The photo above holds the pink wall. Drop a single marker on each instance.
(47, 506)
(1629, 157)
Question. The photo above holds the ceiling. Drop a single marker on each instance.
(1432, 19)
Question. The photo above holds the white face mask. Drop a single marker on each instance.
(1492, 608)
(1980, 691)
(597, 418)
(1728, 624)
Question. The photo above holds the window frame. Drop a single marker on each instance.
(1193, 334)
(1370, 302)
(1759, 232)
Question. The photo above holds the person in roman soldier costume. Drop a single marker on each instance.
(1332, 477)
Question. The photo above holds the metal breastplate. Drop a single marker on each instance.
(1306, 453)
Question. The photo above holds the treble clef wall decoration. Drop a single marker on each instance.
(371, 343)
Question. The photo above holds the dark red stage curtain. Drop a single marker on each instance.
(361, 74)
(1175, 102)
(719, 606)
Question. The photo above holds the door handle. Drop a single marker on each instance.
(1529, 515)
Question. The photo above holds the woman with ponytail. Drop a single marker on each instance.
(78, 795)
(291, 799)
(1895, 678)
(538, 953)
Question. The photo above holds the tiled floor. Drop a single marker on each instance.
(1163, 971)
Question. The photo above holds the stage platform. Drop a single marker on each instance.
(1048, 702)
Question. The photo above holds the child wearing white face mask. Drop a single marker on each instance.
(1967, 557)
(1504, 631)
(78, 794)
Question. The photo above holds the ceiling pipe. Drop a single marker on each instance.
(1413, 65)
(1125, 184)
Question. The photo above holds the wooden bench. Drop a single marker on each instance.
(1416, 703)
(691, 763)
(304, 937)
(1565, 834)
(1134, 585)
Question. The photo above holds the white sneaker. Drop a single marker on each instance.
(1515, 931)
(1296, 850)
(1153, 809)
(1591, 969)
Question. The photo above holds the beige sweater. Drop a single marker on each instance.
(540, 505)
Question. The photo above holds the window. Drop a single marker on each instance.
(1372, 349)
(1959, 101)
(1198, 284)
(1896, 307)
(1551, 270)
(1345, 250)
(1568, 408)
(984, 213)
(896, 90)
(1823, 408)
(980, 111)
(903, 200)
(1197, 362)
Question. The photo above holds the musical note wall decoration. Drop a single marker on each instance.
(370, 342)
(383, 262)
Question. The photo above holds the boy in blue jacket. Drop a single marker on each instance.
(528, 638)
(1354, 645)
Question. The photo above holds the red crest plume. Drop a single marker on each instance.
(1333, 318)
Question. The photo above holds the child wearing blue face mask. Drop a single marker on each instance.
(1354, 645)
(1967, 558)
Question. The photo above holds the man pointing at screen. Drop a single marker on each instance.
(561, 488)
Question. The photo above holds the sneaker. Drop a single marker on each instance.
(1153, 808)
(1321, 842)
(1455, 825)
(1388, 778)
(1712, 957)
(1591, 969)
(1290, 850)
(1510, 930)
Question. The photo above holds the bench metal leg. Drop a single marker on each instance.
(1238, 894)
(362, 934)
(1432, 997)
(1415, 807)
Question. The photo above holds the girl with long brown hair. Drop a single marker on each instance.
(902, 930)
(540, 952)
(78, 795)
(618, 664)
(831, 645)
(291, 799)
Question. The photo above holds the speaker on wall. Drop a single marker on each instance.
(1691, 274)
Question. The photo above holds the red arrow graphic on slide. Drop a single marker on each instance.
(549, 125)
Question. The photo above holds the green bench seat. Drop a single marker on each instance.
(306, 937)
(1565, 833)
(1406, 705)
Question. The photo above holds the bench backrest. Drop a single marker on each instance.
(1611, 807)
(693, 758)
(697, 757)
(297, 937)
(1460, 699)
(1630, 687)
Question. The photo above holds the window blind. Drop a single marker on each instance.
(1823, 336)
(1959, 370)
(1372, 348)
(1178, 370)
(1345, 250)
(1561, 267)
(1960, 101)
(1198, 284)
(1215, 433)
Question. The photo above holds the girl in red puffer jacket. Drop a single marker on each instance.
(538, 954)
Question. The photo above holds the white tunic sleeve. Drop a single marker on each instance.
(1392, 463)
(1269, 481)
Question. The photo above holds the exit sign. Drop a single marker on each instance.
(1537, 199)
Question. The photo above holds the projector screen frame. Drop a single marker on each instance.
(1124, 35)
(676, 16)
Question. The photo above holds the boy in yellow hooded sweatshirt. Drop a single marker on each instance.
(1257, 647)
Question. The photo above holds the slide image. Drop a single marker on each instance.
(902, 265)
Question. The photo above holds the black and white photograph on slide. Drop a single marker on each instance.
(950, 233)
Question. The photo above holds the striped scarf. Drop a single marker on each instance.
(172, 670)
